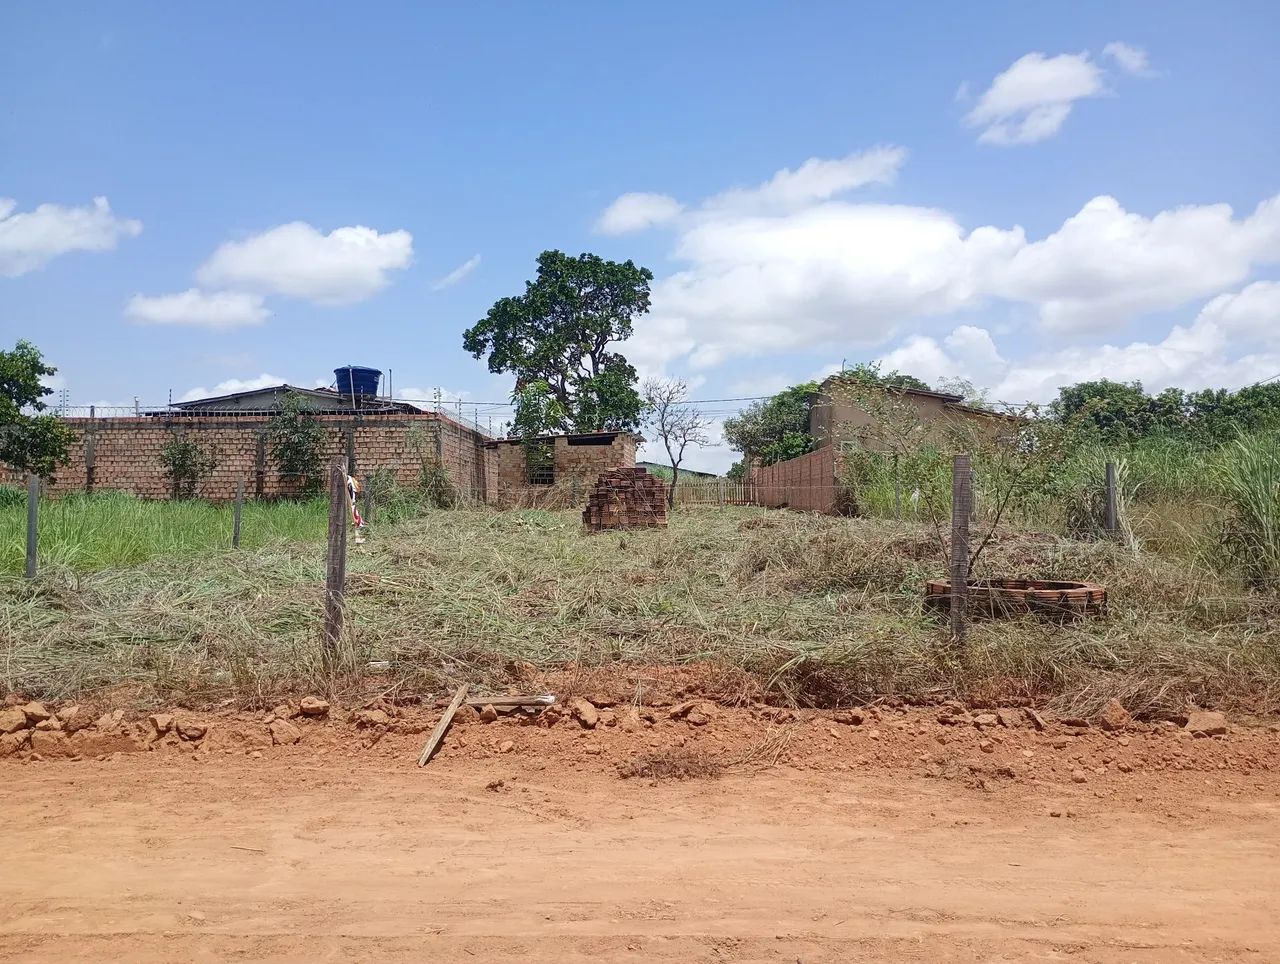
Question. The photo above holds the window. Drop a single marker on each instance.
(540, 459)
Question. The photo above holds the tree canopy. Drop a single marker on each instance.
(1121, 411)
(557, 340)
(29, 441)
(775, 429)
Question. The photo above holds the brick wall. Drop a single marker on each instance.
(124, 453)
(575, 464)
(807, 482)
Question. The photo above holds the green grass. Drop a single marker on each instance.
(85, 533)
(815, 609)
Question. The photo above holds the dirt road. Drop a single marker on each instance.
(295, 859)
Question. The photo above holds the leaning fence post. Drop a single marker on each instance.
(33, 521)
(335, 574)
(897, 490)
(235, 514)
(1113, 514)
(961, 510)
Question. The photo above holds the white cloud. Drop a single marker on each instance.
(817, 179)
(1130, 59)
(232, 385)
(346, 265)
(458, 273)
(637, 211)
(1106, 265)
(31, 239)
(446, 395)
(217, 310)
(1032, 99)
(1232, 342)
(835, 272)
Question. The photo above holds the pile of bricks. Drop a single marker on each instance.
(627, 498)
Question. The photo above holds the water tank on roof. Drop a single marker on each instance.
(357, 380)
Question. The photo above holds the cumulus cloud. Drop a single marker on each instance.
(637, 211)
(1231, 342)
(233, 385)
(1031, 100)
(31, 239)
(753, 281)
(1130, 59)
(346, 265)
(458, 273)
(217, 310)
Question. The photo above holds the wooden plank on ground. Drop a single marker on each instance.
(442, 727)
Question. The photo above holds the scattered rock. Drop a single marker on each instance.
(1074, 722)
(1077, 776)
(108, 721)
(630, 721)
(12, 720)
(88, 743)
(986, 719)
(488, 714)
(11, 743)
(593, 749)
(585, 713)
(986, 746)
(951, 717)
(51, 744)
(495, 785)
(52, 723)
(850, 717)
(1035, 718)
(465, 714)
(284, 733)
(1055, 813)
(701, 714)
(162, 723)
(36, 712)
(1206, 723)
(369, 718)
(313, 706)
(67, 714)
(283, 712)
(550, 716)
(1113, 716)
(191, 730)
(681, 709)
(1010, 718)
(506, 746)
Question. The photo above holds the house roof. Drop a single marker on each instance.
(325, 398)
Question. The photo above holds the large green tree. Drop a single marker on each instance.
(29, 441)
(775, 429)
(557, 339)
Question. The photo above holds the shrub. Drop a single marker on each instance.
(297, 443)
(187, 464)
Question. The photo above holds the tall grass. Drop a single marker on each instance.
(84, 533)
(1247, 475)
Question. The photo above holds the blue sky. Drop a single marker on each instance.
(1020, 194)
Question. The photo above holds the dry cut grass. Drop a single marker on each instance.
(815, 610)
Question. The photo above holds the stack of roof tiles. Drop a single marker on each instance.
(627, 498)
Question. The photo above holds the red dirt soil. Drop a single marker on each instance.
(898, 837)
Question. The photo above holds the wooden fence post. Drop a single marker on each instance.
(335, 573)
(235, 515)
(370, 499)
(1113, 506)
(897, 490)
(33, 521)
(961, 510)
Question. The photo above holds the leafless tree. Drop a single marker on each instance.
(672, 419)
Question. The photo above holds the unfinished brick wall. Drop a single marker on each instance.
(808, 482)
(576, 460)
(124, 453)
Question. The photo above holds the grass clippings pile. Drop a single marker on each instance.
(814, 610)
